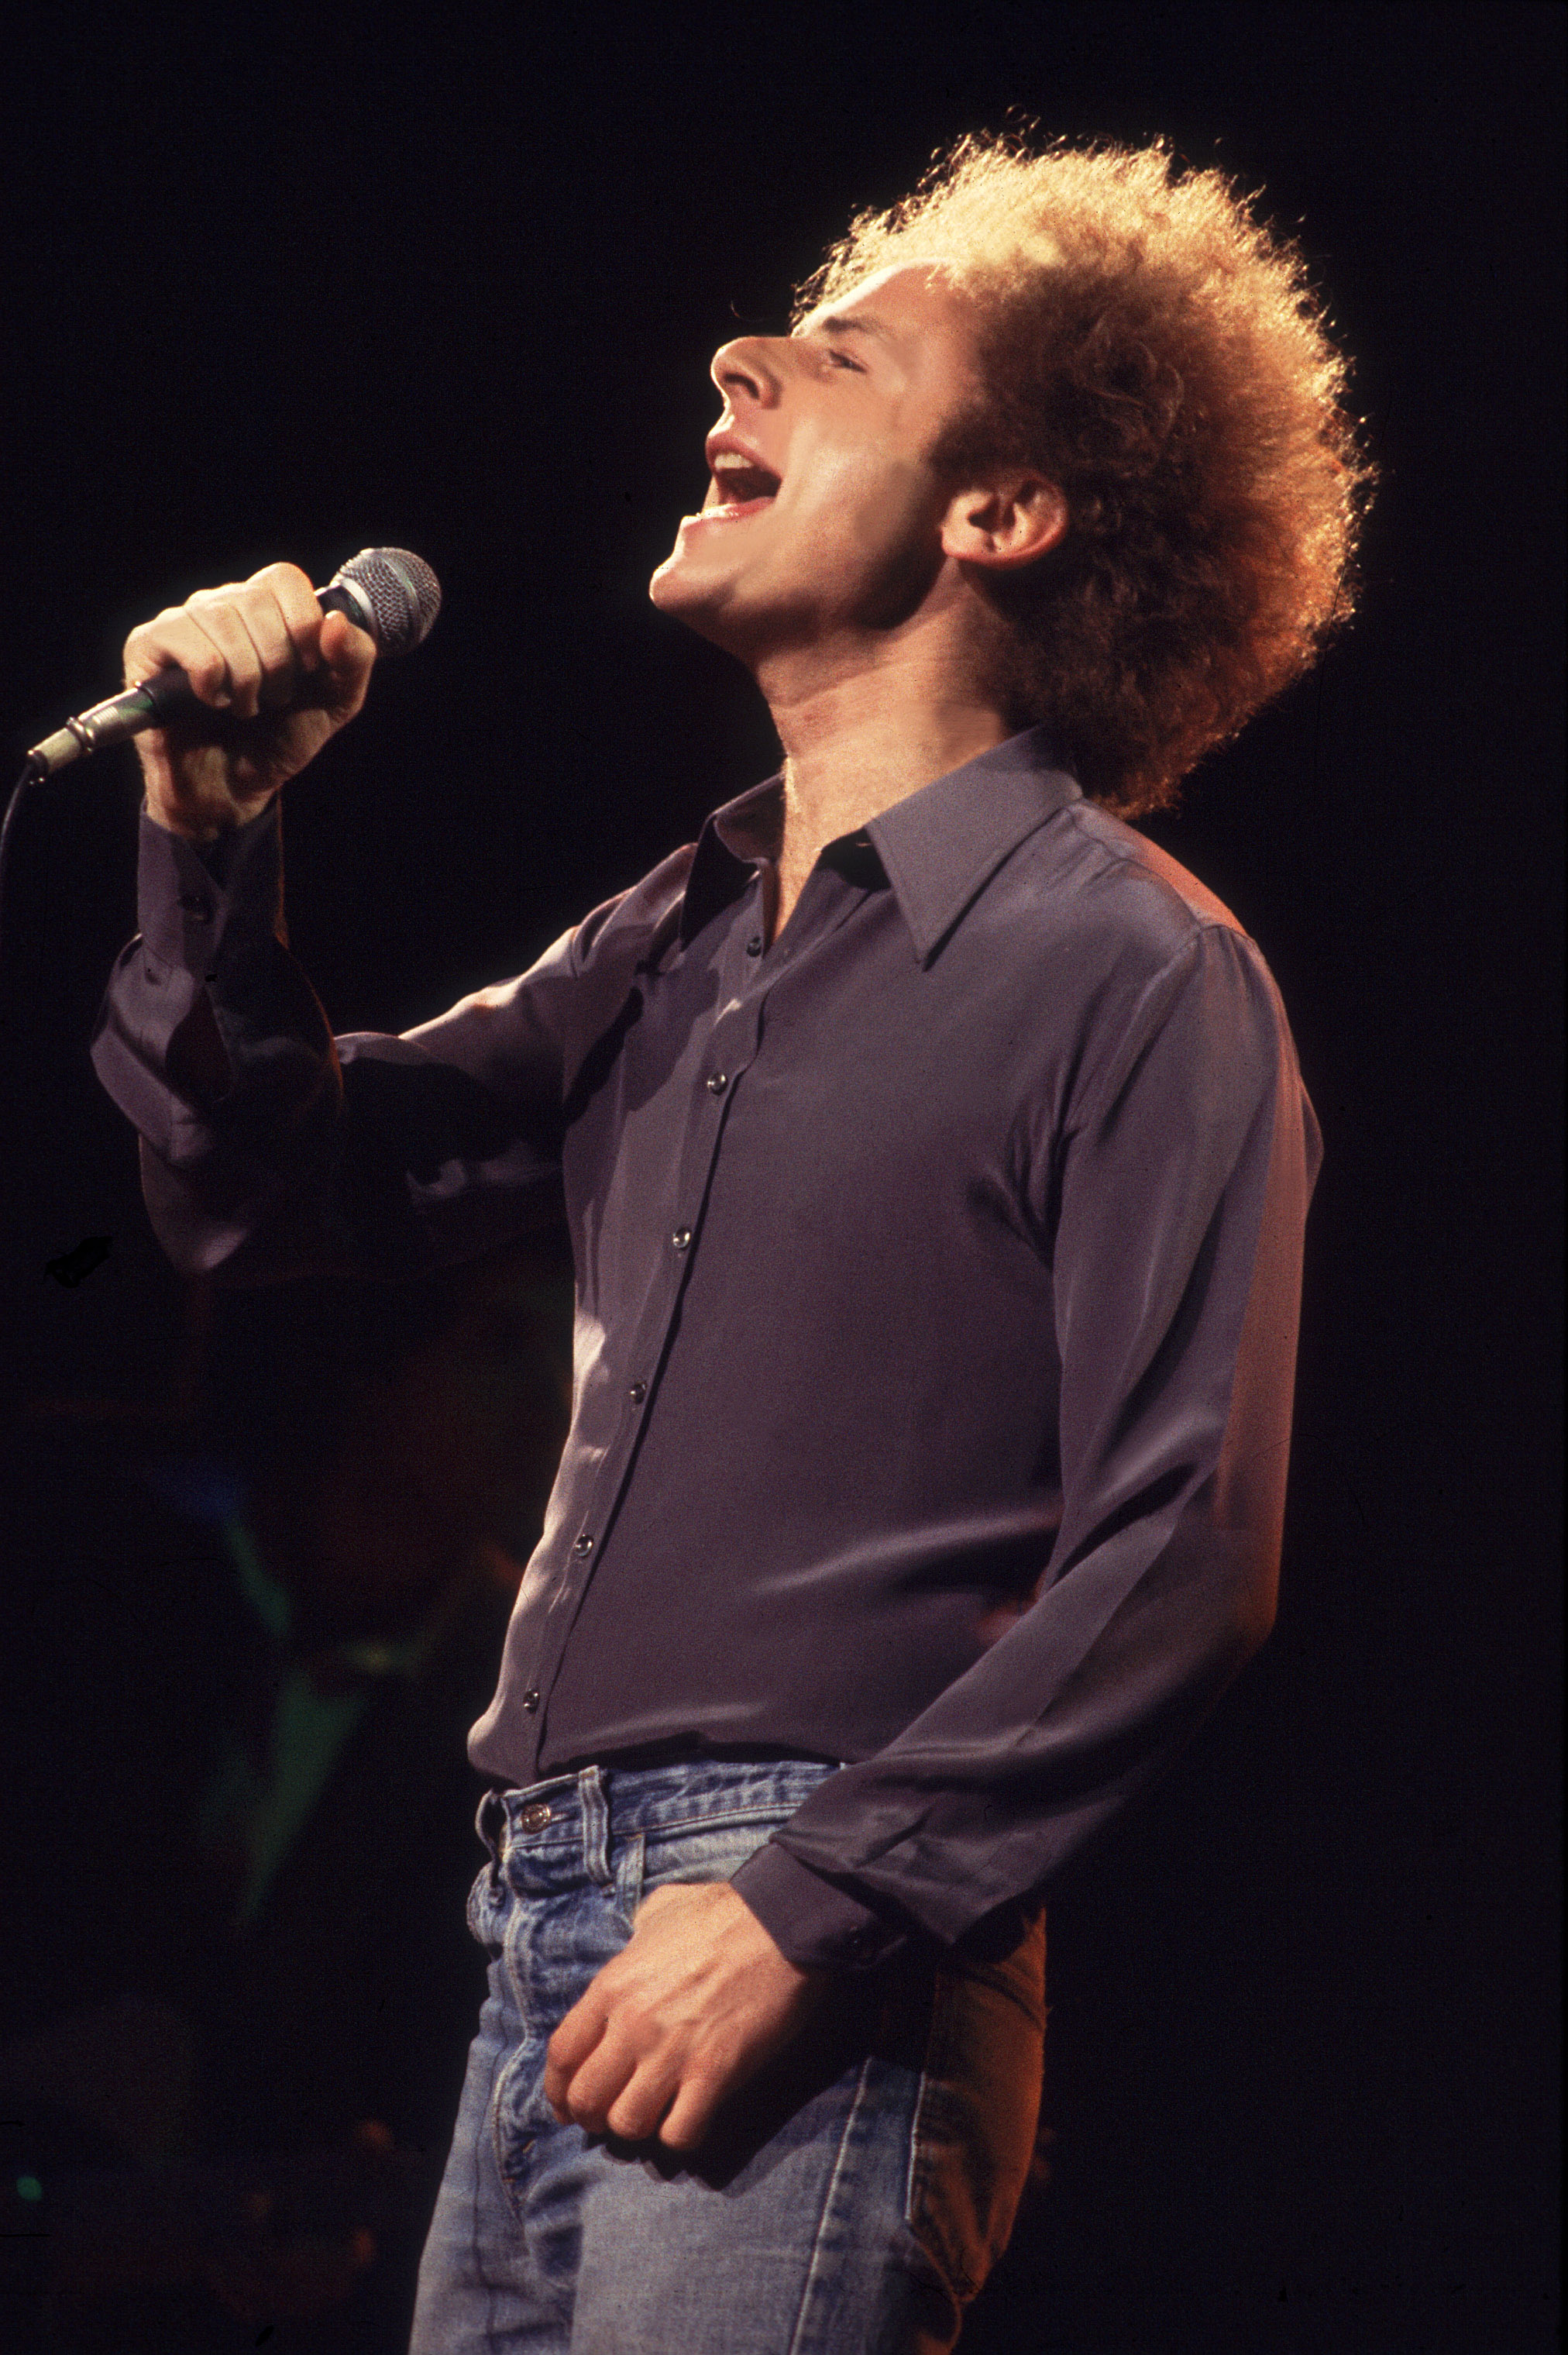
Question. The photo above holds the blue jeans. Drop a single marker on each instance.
(848, 2202)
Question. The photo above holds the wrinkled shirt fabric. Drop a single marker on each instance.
(937, 1277)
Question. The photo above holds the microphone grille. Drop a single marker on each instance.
(402, 593)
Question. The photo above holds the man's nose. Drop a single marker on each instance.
(748, 367)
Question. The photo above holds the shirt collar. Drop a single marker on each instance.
(942, 845)
(729, 847)
(939, 847)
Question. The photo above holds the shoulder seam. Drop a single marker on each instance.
(1198, 918)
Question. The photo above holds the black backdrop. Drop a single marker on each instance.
(283, 282)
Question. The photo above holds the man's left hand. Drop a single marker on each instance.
(697, 2002)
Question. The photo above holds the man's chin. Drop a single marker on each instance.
(664, 587)
(742, 614)
(679, 589)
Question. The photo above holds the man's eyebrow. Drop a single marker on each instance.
(834, 323)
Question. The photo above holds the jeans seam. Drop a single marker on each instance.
(933, 2074)
(510, 2186)
(512, 2067)
(477, 2242)
(625, 1891)
(798, 2344)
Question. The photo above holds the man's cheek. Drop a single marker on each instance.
(887, 503)
(894, 531)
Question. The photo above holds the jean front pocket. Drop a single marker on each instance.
(712, 1850)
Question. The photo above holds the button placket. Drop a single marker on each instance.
(730, 1046)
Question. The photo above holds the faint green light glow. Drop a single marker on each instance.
(28, 2188)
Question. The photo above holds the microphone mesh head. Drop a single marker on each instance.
(402, 593)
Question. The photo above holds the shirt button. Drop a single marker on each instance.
(530, 1699)
(533, 1817)
(637, 1393)
(682, 1239)
(717, 1082)
(754, 945)
(583, 1542)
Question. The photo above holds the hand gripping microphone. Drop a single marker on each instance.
(386, 591)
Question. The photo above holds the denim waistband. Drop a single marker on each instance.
(575, 1816)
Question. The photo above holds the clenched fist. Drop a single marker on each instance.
(277, 677)
(695, 2005)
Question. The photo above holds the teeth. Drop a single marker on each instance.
(738, 481)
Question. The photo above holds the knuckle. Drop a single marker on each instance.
(289, 593)
(146, 633)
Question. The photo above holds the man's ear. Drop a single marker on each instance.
(1006, 523)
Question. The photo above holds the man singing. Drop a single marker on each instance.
(936, 1161)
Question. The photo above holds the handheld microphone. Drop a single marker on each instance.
(394, 595)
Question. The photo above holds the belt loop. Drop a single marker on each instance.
(489, 1823)
(596, 1826)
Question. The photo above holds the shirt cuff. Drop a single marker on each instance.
(814, 1925)
(196, 906)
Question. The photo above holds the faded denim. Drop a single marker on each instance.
(849, 2202)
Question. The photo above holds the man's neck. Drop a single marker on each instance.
(857, 738)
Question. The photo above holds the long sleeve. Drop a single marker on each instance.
(1179, 1179)
(271, 1149)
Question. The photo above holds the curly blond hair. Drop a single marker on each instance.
(1159, 354)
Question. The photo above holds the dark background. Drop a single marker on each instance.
(291, 282)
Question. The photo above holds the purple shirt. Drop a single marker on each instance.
(937, 1281)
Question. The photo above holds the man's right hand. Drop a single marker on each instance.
(277, 678)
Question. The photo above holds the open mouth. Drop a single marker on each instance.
(740, 487)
